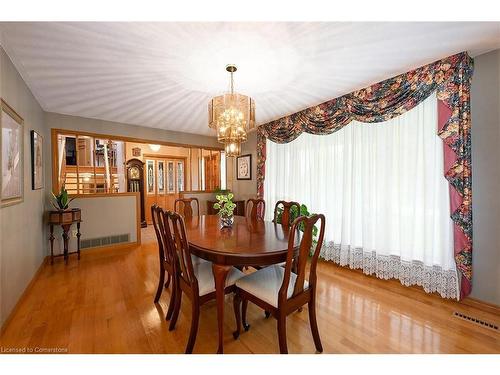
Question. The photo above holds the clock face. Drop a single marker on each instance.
(133, 173)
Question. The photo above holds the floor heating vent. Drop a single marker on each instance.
(104, 241)
(476, 321)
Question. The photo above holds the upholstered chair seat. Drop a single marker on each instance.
(206, 283)
(266, 283)
(197, 260)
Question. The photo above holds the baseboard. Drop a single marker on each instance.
(481, 305)
(24, 293)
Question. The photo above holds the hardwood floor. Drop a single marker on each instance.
(104, 304)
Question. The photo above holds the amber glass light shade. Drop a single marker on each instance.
(232, 148)
(232, 115)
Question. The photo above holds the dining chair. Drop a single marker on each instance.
(255, 211)
(286, 216)
(196, 281)
(281, 291)
(187, 208)
(166, 258)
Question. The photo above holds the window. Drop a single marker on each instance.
(90, 164)
(383, 192)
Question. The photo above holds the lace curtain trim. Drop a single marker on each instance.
(431, 278)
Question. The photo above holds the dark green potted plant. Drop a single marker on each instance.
(62, 200)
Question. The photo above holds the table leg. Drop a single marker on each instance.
(51, 238)
(78, 235)
(220, 273)
(65, 235)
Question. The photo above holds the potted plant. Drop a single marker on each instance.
(295, 214)
(61, 201)
(226, 206)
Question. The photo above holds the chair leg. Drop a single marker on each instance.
(246, 326)
(314, 325)
(267, 314)
(159, 290)
(177, 307)
(168, 281)
(195, 318)
(171, 303)
(237, 314)
(282, 334)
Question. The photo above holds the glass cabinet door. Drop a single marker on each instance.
(180, 176)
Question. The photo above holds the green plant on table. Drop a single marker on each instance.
(225, 204)
(62, 200)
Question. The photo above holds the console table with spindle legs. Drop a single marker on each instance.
(65, 219)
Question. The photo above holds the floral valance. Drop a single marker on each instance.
(450, 78)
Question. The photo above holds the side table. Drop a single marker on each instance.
(65, 219)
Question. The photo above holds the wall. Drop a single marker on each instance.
(23, 241)
(244, 189)
(485, 108)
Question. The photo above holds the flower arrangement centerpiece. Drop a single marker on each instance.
(61, 201)
(226, 206)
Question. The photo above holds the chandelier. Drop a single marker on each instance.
(232, 115)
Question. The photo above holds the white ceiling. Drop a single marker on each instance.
(162, 75)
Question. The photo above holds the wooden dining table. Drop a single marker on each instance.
(248, 243)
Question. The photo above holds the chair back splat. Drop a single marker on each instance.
(286, 217)
(155, 213)
(187, 207)
(176, 232)
(258, 208)
(306, 225)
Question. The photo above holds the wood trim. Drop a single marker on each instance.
(97, 195)
(481, 305)
(55, 159)
(24, 294)
(134, 140)
(197, 192)
(159, 156)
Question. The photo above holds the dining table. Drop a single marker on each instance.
(249, 242)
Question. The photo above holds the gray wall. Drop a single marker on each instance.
(485, 108)
(244, 189)
(23, 242)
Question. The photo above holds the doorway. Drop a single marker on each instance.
(165, 179)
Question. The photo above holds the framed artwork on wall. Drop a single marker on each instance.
(244, 167)
(36, 160)
(12, 155)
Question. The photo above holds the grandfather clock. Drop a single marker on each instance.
(135, 183)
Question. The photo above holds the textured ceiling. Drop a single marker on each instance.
(163, 74)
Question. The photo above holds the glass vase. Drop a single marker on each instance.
(226, 221)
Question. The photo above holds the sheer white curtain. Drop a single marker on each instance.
(382, 190)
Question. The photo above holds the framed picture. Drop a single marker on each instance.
(36, 160)
(12, 155)
(244, 167)
(136, 151)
